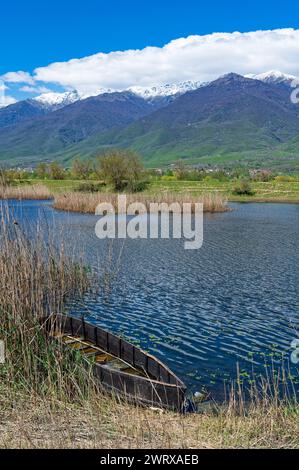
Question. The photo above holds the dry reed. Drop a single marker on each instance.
(34, 191)
(36, 279)
(103, 422)
(87, 202)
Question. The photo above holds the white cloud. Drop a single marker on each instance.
(192, 58)
(6, 100)
(200, 58)
(18, 77)
(2, 87)
(35, 89)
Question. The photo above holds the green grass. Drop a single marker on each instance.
(59, 185)
(273, 191)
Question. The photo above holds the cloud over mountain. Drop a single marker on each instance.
(18, 77)
(5, 99)
(195, 57)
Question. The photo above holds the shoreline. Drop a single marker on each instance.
(229, 201)
(158, 191)
(264, 201)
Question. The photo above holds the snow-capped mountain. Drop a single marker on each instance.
(57, 100)
(230, 110)
(274, 77)
(159, 95)
(165, 90)
(156, 94)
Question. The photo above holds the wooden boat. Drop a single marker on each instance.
(120, 367)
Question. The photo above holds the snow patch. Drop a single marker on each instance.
(58, 100)
(165, 90)
(273, 76)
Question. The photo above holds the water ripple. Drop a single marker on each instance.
(202, 311)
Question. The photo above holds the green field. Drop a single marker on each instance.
(273, 191)
(263, 191)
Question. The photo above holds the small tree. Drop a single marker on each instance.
(80, 169)
(181, 171)
(122, 169)
(41, 170)
(56, 171)
(243, 188)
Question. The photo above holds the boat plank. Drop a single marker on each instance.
(119, 367)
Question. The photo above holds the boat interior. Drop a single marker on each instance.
(95, 354)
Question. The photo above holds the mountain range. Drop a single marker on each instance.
(234, 120)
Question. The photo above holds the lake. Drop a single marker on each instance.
(232, 304)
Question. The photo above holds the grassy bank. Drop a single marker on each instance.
(102, 422)
(86, 202)
(271, 191)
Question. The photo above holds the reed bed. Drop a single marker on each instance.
(87, 202)
(34, 191)
(37, 279)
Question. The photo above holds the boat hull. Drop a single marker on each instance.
(156, 385)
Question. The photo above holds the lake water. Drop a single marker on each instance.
(232, 303)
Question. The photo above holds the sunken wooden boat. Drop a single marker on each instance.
(118, 366)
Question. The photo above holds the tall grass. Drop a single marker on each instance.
(37, 279)
(34, 191)
(87, 202)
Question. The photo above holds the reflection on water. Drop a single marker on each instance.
(201, 311)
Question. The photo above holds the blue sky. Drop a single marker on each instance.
(34, 34)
